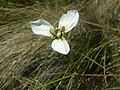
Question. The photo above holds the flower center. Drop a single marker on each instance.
(57, 33)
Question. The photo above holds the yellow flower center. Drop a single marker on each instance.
(57, 33)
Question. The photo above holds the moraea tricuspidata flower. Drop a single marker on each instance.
(66, 23)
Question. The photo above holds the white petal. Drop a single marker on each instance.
(69, 20)
(61, 46)
(41, 27)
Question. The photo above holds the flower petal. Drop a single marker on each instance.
(69, 20)
(41, 27)
(61, 46)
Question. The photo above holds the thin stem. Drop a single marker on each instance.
(60, 79)
(87, 75)
(70, 60)
(102, 26)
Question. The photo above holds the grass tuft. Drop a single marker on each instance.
(27, 61)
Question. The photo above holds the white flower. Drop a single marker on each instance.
(66, 23)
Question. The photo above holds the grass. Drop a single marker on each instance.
(28, 62)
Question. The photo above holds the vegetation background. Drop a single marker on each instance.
(27, 61)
